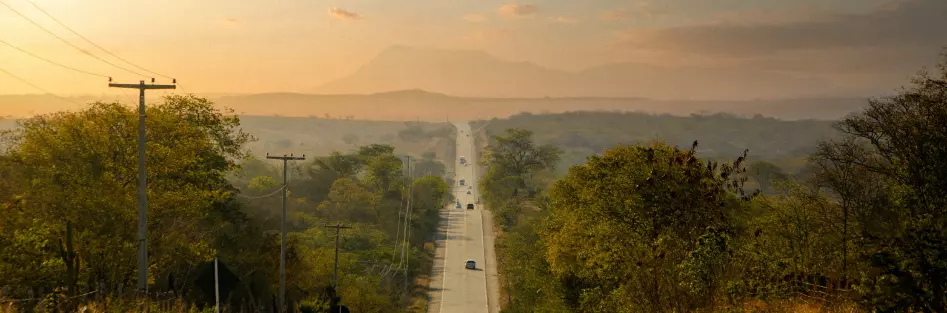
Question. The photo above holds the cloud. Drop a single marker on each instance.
(912, 23)
(343, 14)
(475, 18)
(230, 20)
(517, 10)
(563, 20)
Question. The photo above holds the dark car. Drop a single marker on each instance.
(470, 206)
(470, 264)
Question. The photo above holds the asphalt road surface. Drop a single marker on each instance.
(455, 289)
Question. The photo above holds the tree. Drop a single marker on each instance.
(429, 165)
(348, 202)
(888, 173)
(80, 168)
(342, 165)
(632, 230)
(766, 173)
(516, 155)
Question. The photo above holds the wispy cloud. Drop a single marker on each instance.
(230, 20)
(563, 20)
(913, 23)
(517, 10)
(344, 14)
(475, 18)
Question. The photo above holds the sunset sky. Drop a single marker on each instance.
(249, 46)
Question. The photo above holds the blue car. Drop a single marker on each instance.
(458, 205)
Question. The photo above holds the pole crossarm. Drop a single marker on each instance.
(143, 86)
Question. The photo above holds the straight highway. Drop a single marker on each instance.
(464, 235)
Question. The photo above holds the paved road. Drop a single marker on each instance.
(455, 289)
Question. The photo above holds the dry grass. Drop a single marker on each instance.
(797, 305)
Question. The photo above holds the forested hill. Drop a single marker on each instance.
(721, 136)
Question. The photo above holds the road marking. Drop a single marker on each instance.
(440, 306)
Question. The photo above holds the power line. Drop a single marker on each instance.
(37, 87)
(67, 42)
(94, 44)
(50, 61)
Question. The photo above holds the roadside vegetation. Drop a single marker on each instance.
(667, 224)
(68, 216)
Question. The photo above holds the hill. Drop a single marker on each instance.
(478, 74)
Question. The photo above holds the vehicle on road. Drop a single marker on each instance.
(470, 264)
(458, 205)
(463, 160)
(470, 206)
(461, 181)
(468, 192)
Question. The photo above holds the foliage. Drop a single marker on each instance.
(889, 175)
(584, 133)
(71, 176)
(80, 168)
(648, 210)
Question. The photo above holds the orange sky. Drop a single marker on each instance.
(293, 45)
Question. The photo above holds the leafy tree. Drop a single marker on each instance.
(348, 201)
(80, 167)
(889, 172)
(625, 229)
(766, 173)
(429, 165)
(342, 165)
(516, 155)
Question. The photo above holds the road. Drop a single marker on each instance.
(464, 234)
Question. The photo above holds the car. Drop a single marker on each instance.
(461, 181)
(470, 187)
(458, 205)
(468, 192)
(470, 206)
(470, 264)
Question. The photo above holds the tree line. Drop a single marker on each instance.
(654, 227)
(68, 214)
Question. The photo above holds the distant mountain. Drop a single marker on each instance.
(478, 74)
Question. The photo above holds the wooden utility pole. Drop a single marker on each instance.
(142, 180)
(282, 243)
(335, 277)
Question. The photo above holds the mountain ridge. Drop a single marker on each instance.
(475, 73)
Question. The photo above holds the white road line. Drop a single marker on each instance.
(440, 307)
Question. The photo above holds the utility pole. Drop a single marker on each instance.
(282, 243)
(142, 180)
(335, 277)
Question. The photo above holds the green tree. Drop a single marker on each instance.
(517, 155)
(80, 167)
(888, 173)
(624, 229)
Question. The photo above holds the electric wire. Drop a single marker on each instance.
(67, 42)
(37, 87)
(94, 44)
(50, 61)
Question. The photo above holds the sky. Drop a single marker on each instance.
(253, 46)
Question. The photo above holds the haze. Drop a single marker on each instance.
(677, 49)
